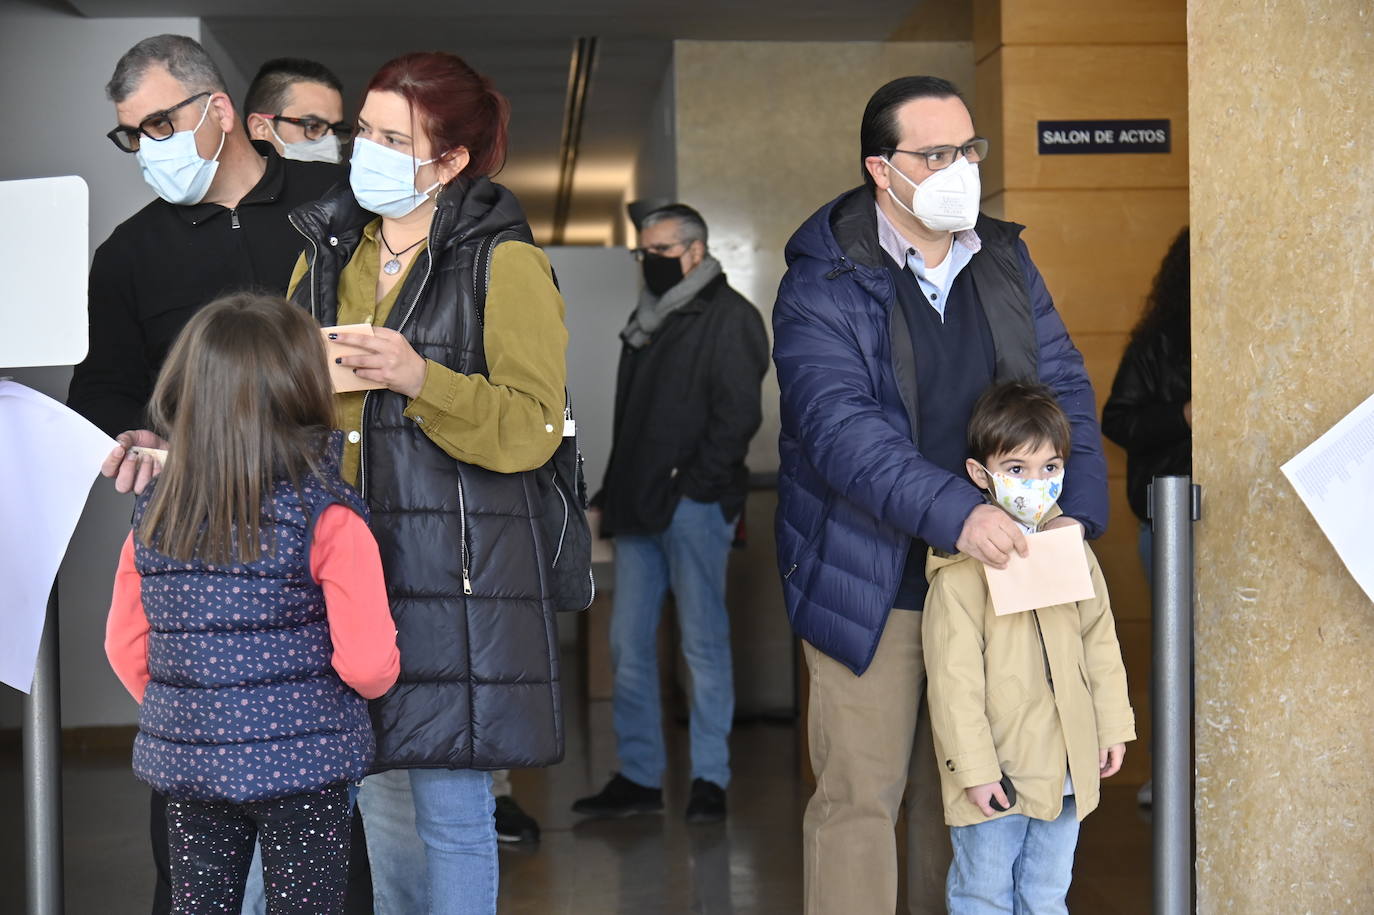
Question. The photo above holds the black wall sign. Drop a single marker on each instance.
(1078, 137)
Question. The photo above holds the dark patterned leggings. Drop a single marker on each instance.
(305, 839)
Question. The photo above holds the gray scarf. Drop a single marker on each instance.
(652, 309)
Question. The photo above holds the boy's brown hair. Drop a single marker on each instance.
(1014, 415)
(244, 399)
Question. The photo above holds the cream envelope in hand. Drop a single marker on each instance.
(1054, 571)
(342, 376)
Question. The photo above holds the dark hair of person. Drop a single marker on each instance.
(691, 227)
(459, 106)
(1014, 416)
(1168, 309)
(244, 400)
(879, 131)
(185, 60)
(270, 90)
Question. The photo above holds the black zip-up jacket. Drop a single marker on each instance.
(161, 265)
(479, 653)
(686, 405)
(1144, 414)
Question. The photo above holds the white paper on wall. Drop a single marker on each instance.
(49, 458)
(1331, 477)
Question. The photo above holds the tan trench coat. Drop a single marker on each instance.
(1024, 694)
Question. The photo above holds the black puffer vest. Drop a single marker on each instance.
(461, 546)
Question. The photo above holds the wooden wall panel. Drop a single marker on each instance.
(1067, 82)
(1125, 22)
(1099, 249)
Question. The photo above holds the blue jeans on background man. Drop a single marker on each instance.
(431, 841)
(689, 557)
(1013, 864)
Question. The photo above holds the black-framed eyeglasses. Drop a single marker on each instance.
(156, 126)
(938, 157)
(315, 128)
(658, 250)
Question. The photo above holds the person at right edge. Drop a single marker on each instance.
(900, 306)
(687, 403)
(1150, 410)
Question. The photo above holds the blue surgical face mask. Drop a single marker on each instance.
(383, 180)
(175, 169)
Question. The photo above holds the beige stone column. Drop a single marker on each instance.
(1283, 264)
(1097, 225)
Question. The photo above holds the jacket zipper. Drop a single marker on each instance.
(314, 256)
(1044, 652)
(463, 534)
(367, 397)
(557, 554)
(233, 219)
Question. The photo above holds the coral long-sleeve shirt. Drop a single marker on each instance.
(343, 560)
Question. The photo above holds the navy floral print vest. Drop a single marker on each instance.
(243, 704)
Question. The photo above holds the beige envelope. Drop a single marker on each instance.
(341, 375)
(1054, 571)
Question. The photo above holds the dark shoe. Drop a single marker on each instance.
(620, 798)
(513, 824)
(707, 804)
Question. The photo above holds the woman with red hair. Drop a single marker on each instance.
(465, 360)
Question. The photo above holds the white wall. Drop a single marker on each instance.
(600, 287)
(60, 131)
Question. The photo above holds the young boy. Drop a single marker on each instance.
(1037, 697)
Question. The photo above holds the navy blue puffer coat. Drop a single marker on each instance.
(853, 487)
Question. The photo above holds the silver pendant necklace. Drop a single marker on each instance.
(393, 266)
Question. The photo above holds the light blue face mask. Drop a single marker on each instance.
(175, 169)
(321, 149)
(383, 180)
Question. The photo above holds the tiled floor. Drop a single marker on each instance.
(641, 866)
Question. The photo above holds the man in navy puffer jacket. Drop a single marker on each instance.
(901, 304)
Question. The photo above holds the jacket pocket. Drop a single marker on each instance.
(810, 543)
(1083, 675)
(1004, 698)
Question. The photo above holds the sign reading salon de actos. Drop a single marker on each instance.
(1070, 137)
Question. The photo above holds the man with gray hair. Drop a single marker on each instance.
(220, 224)
(687, 403)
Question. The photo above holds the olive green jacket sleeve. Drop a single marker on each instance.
(511, 420)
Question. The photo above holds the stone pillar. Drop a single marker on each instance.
(1097, 225)
(1283, 192)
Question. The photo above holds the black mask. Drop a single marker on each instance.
(661, 273)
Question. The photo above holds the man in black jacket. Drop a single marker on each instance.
(687, 403)
(220, 225)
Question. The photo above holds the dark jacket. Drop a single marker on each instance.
(853, 487)
(161, 265)
(244, 704)
(479, 665)
(1144, 414)
(686, 405)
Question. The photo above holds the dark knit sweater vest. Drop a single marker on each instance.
(243, 704)
(955, 364)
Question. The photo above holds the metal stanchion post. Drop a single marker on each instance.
(1175, 503)
(43, 776)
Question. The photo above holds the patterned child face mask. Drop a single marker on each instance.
(1028, 500)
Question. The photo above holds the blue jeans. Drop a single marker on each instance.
(690, 557)
(1013, 864)
(431, 840)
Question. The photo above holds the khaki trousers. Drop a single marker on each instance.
(870, 746)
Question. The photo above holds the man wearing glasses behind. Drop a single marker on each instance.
(297, 106)
(219, 225)
(901, 304)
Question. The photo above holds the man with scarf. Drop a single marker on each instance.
(687, 404)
